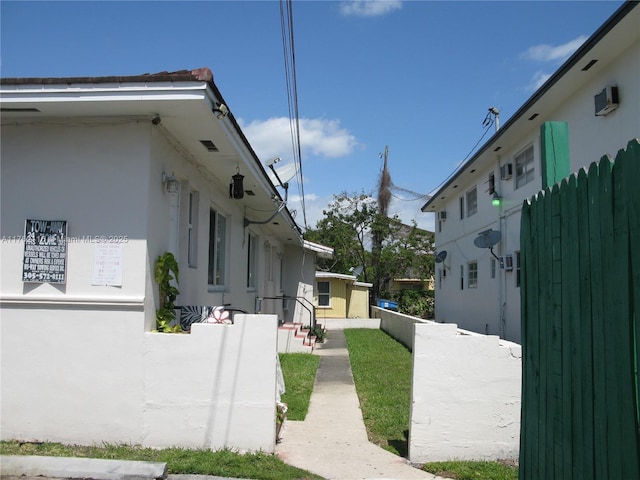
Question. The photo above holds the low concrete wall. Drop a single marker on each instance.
(342, 323)
(86, 376)
(397, 325)
(465, 395)
(466, 390)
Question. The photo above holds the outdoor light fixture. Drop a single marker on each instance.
(170, 182)
(221, 110)
(496, 201)
(236, 188)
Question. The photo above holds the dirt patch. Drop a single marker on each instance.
(510, 462)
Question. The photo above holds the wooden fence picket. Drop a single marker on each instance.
(580, 271)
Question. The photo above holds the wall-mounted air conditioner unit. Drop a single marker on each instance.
(606, 101)
(442, 216)
(506, 262)
(506, 171)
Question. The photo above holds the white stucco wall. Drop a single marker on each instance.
(82, 175)
(465, 395)
(86, 377)
(104, 179)
(465, 390)
(168, 157)
(299, 278)
(71, 376)
(397, 325)
(77, 365)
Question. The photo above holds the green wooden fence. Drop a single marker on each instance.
(580, 254)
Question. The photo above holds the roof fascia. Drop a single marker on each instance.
(340, 276)
(322, 250)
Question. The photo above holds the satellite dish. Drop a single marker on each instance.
(281, 176)
(487, 239)
(357, 270)
(440, 256)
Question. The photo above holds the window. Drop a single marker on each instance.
(252, 253)
(517, 269)
(217, 248)
(461, 277)
(192, 230)
(492, 183)
(461, 208)
(472, 201)
(324, 294)
(472, 270)
(493, 267)
(524, 167)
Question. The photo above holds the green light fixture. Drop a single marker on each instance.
(496, 201)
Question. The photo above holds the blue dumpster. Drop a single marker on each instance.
(388, 304)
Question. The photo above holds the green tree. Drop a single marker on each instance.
(345, 227)
(407, 253)
(349, 226)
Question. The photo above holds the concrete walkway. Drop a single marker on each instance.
(332, 440)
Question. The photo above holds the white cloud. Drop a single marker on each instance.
(554, 54)
(320, 137)
(551, 53)
(538, 79)
(369, 8)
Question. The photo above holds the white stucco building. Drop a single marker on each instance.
(588, 108)
(107, 174)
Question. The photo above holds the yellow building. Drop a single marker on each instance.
(340, 296)
(398, 284)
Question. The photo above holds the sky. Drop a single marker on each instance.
(415, 76)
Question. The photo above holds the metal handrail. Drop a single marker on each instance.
(312, 311)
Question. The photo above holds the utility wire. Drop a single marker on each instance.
(487, 123)
(286, 23)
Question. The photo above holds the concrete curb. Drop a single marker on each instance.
(70, 467)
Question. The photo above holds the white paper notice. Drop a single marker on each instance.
(107, 264)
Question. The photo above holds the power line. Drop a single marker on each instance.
(487, 123)
(286, 23)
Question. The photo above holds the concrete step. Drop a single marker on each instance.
(293, 338)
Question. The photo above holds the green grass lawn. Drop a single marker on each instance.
(473, 470)
(299, 371)
(225, 463)
(381, 369)
(382, 373)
